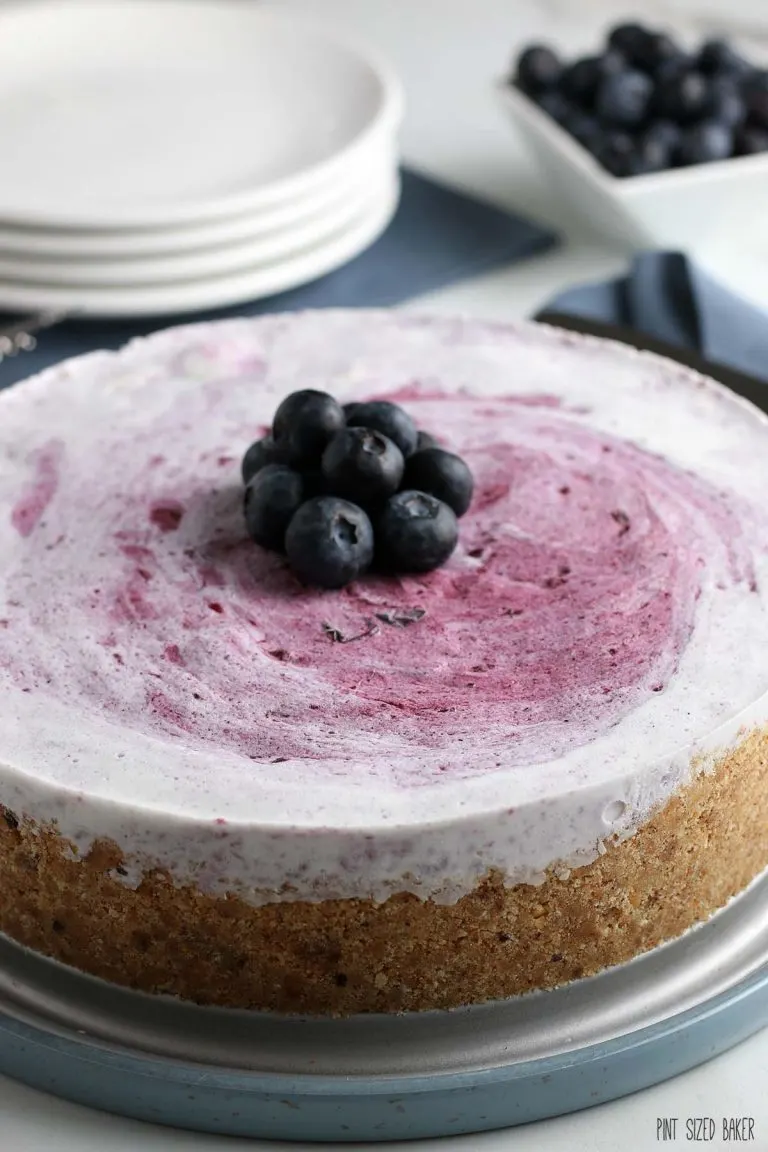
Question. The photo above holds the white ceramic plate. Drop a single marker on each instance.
(147, 243)
(220, 260)
(217, 292)
(163, 112)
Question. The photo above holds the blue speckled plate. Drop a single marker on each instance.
(389, 1078)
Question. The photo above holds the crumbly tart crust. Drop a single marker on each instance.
(338, 957)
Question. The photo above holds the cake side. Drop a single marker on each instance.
(337, 957)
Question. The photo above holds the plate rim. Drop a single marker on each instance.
(207, 262)
(29, 243)
(97, 1050)
(233, 289)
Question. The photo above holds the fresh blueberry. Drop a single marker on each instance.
(653, 153)
(616, 153)
(416, 532)
(441, 474)
(718, 56)
(704, 142)
(750, 141)
(755, 92)
(726, 104)
(362, 464)
(582, 79)
(304, 423)
(672, 67)
(640, 155)
(538, 68)
(387, 418)
(271, 499)
(682, 97)
(329, 542)
(260, 453)
(631, 41)
(665, 134)
(658, 51)
(556, 105)
(426, 440)
(584, 128)
(623, 100)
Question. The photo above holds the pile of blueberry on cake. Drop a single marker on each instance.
(645, 104)
(339, 489)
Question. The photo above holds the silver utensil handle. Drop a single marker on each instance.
(21, 335)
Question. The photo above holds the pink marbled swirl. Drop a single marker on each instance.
(571, 596)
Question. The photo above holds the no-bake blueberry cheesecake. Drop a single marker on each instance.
(418, 788)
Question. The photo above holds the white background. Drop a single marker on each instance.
(448, 52)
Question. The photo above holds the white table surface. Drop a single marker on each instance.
(447, 51)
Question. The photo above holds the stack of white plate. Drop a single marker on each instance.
(165, 156)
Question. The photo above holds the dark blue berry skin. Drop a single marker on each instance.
(705, 142)
(631, 40)
(683, 97)
(653, 153)
(718, 56)
(726, 104)
(672, 67)
(363, 465)
(750, 141)
(389, 419)
(538, 68)
(315, 484)
(288, 410)
(260, 453)
(329, 542)
(582, 79)
(665, 134)
(657, 51)
(624, 100)
(415, 532)
(556, 106)
(640, 155)
(586, 129)
(755, 93)
(304, 423)
(273, 496)
(425, 440)
(616, 153)
(441, 474)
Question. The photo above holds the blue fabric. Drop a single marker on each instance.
(668, 296)
(438, 236)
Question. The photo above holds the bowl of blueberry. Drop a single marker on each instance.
(652, 140)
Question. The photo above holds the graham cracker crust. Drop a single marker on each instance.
(343, 956)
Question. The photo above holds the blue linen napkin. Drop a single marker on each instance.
(668, 296)
(437, 237)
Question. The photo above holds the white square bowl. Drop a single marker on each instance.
(681, 208)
